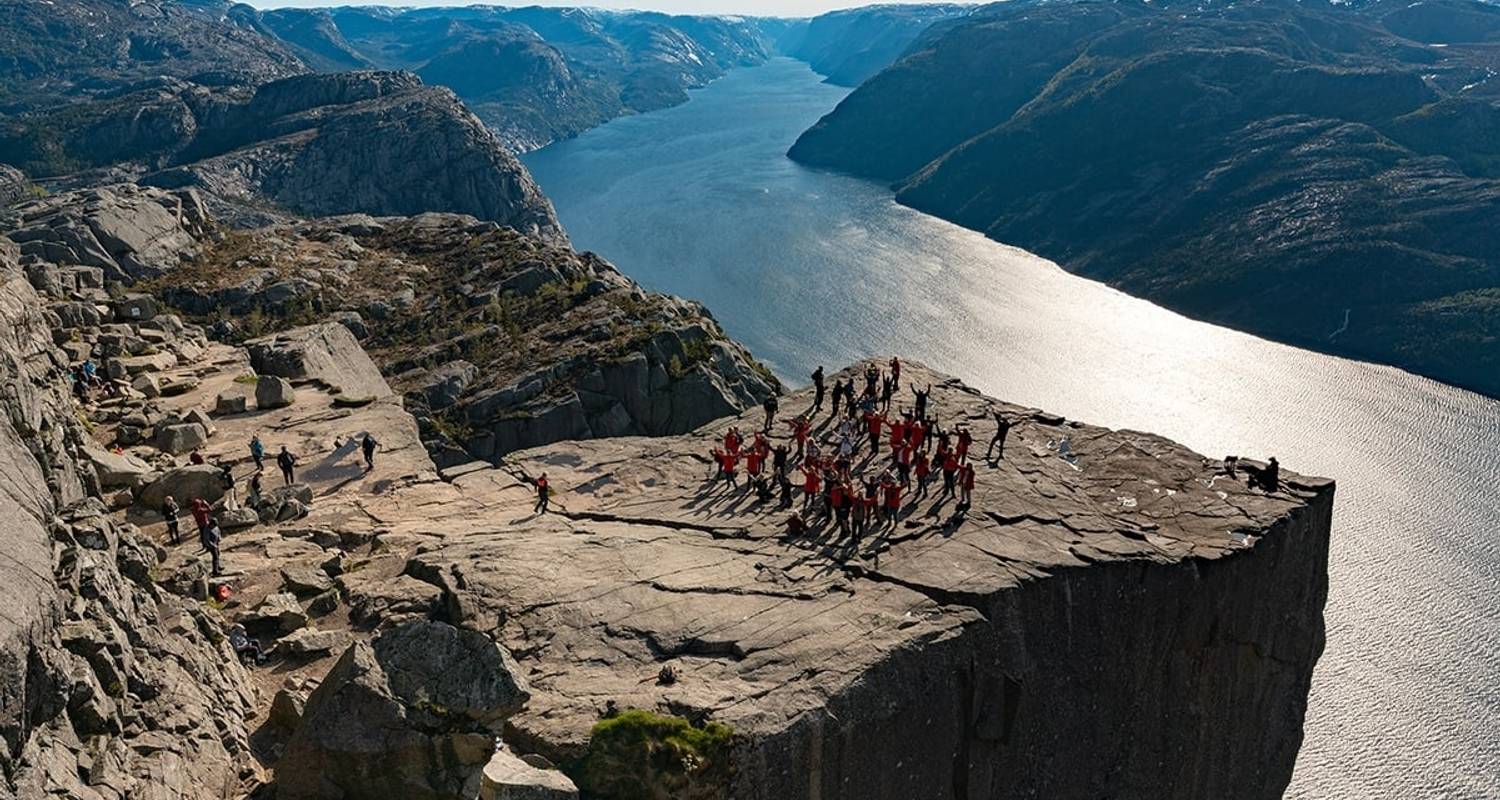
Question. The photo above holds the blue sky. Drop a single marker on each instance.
(770, 8)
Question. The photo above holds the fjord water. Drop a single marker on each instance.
(810, 268)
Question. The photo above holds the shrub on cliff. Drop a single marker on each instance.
(638, 755)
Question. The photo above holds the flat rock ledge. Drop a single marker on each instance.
(1132, 620)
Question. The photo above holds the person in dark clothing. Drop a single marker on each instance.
(795, 526)
(818, 389)
(196, 457)
(169, 511)
(541, 494)
(784, 484)
(287, 462)
(887, 387)
(368, 447)
(1269, 479)
(253, 495)
(872, 374)
(1002, 430)
(838, 394)
(771, 405)
(779, 454)
(920, 410)
(211, 538)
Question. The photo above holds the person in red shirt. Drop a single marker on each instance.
(950, 473)
(800, 429)
(917, 434)
(903, 463)
(858, 513)
(542, 494)
(201, 513)
(838, 495)
(731, 461)
(811, 475)
(898, 434)
(923, 468)
(873, 420)
(753, 459)
(895, 372)
(732, 440)
(966, 485)
(965, 438)
(892, 499)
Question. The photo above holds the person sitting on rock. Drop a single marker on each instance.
(795, 526)
(169, 511)
(368, 447)
(247, 649)
(287, 462)
(541, 494)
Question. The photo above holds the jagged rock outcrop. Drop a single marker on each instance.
(130, 232)
(108, 687)
(412, 714)
(499, 341)
(13, 186)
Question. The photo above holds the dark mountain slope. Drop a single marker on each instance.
(1298, 171)
(852, 44)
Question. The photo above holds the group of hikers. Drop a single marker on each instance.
(210, 534)
(878, 461)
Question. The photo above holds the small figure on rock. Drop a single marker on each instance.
(541, 494)
(212, 536)
(966, 485)
(253, 494)
(196, 458)
(818, 389)
(920, 410)
(202, 514)
(997, 442)
(667, 676)
(169, 511)
(368, 447)
(258, 452)
(895, 372)
(226, 476)
(795, 526)
(771, 405)
(287, 462)
(247, 649)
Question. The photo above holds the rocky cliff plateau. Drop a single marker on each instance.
(1128, 620)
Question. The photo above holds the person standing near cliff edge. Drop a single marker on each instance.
(1002, 430)
(818, 389)
(541, 494)
(771, 405)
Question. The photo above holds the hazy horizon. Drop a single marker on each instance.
(756, 8)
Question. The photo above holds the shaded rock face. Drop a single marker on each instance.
(13, 186)
(412, 715)
(1299, 171)
(326, 353)
(107, 686)
(850, 45)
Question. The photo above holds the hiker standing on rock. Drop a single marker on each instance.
(771, 405)
(226, 477)
(211, 538)
(1002, 430)
(258, 452)
(541, 494)
(368, 446)
(253, 495)
(201, 514)
(818, 389)
(169, 513)
(895, 372)
(286, 461)
(922, 395)
(966, 485)
(838, 394)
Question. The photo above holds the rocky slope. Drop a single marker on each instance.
(533, 74)
(853, 44)
(430, 638)
(1301, 172)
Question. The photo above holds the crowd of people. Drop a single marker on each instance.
(867, 463)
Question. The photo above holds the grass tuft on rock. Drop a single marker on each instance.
(639, 755)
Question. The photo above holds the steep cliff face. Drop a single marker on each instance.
(110, 687)
(1301, 172)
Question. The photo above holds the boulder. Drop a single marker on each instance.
(148, 385)
(273, 392)
(310, 641)
(181, 438)
(305, 580)
(135, 308)
(327, 353)
(506, 777)
(117, 470)
(185, 483)
(235, 519)
(413, 714)
(446, 384)
(228, 403)
(284, 502)
(278, 612)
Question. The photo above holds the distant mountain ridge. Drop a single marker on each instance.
(533, 74)
(1307, 172)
